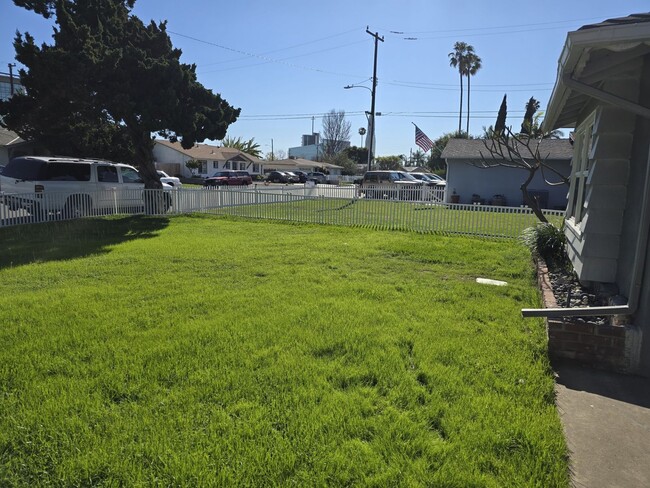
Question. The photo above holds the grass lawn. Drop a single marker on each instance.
(381, 214)
(203, 351)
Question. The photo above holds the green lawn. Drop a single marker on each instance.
(204, 351)
(380, 214)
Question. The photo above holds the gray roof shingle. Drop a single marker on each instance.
(472, 149)
(630, 19)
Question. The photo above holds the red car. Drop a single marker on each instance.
(228, 177)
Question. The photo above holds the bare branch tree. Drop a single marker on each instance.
(520, 151)
(336, 133)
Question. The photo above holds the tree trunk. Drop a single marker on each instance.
(533, 203)
(156, 201)
(468, 93)
(143, 158)
(460, 114)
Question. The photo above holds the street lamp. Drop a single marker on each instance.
(373, 90)
(371, 123)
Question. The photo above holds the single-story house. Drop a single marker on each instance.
(603, 90)
(332, 171)
(171, 158)
(12, 146)
(471, 182)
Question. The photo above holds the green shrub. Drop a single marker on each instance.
(547, 241)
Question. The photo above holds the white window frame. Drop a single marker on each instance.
(581, 167)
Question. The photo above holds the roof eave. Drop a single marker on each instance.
(578, 44)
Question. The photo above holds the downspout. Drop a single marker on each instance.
(642, 237)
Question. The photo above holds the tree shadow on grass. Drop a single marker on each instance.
(54, 241)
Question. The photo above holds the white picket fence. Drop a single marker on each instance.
(411, 209)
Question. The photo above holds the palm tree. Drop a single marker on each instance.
(473, 64)
(457, 59)
(418, 157)
(248, 147)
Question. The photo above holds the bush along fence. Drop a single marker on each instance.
(408, 209)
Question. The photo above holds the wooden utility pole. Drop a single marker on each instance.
(372, 103)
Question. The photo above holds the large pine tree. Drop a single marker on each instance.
(107, 84)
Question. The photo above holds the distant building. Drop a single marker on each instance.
(312, 148)
(6, 86)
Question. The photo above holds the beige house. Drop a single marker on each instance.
(171, 158)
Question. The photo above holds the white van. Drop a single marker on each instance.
(72, 187)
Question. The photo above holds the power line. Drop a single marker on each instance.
(406, 85)
(472, 29)
(479, 114)
(281, 60)
(284, 48)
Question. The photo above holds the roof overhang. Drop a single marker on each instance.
(590, 56)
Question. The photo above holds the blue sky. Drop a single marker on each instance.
(286, 62)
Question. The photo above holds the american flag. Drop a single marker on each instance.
(422, 140)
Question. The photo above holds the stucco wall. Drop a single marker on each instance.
(167, 155)
(467, 179)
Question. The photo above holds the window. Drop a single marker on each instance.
(25, 169)
(226, 165)
(107, 174)
(581, 166)
(215, 164)
(67, 172)
(129, 175)
(204, 166)
(256, 168)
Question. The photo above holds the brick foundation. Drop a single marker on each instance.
(599, 346)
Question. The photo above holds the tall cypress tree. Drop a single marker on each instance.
(106, 84)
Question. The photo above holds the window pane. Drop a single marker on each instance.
(131, 176)
(68, 172)
(107, 174)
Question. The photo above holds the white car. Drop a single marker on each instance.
(72, 187)
(170, 180)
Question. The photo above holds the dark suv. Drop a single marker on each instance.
(228, 177)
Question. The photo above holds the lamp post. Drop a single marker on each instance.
(372, 94)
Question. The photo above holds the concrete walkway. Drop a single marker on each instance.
(606, 419)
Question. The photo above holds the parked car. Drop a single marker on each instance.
(302, 176)
(228, 177)
(317, 177)
(74, 187)
(396, 185)
(277, 177)
(439, 179)
(170, 180)
(245, 176)
(429, 179)
(293, 178)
